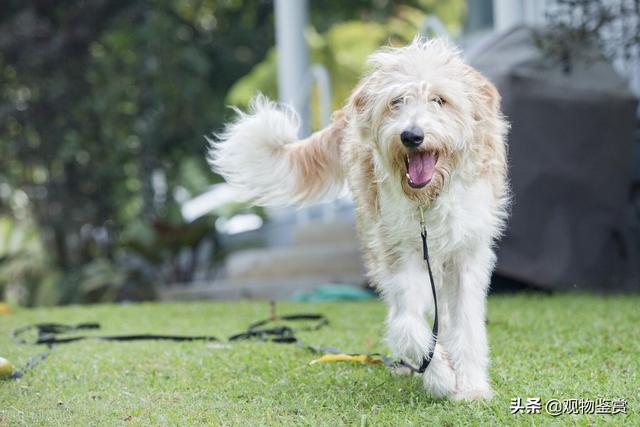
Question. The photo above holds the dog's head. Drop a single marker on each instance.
(422, 107)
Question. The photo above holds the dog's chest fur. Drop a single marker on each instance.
(389, 222)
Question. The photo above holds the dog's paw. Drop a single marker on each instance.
(408, 336)
(440, 379)
(474, 394)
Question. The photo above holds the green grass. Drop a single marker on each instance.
(552, 347)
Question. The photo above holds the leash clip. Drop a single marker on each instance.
(423, 225)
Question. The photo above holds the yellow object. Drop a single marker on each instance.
(5, 308)
(6, 368)
(365, 358)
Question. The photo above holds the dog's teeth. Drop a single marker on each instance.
(408, 177)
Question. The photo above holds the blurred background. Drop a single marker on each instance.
(105, 194)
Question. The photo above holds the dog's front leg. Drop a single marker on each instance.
(467, 343)
(408, 295)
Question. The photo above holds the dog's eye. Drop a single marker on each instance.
(438, 100)
(397, 102)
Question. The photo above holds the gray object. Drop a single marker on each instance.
(570, 155)
(293, 57)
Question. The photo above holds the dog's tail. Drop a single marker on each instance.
(261, 155)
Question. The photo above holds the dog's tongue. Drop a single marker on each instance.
(421, 167)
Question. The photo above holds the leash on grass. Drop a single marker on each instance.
(49, 333)
(53, 334)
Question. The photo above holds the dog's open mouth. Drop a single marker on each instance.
(420, 167)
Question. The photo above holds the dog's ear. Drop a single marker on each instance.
(490, 130)
(486, 98)
(361, 99)
(358, 99)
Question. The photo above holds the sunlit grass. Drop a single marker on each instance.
(549, 347)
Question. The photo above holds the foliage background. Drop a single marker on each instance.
(103, 109)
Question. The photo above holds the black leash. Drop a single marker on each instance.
(48, 333)
(280, 334)
(426, 360)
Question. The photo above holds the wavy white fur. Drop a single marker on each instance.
(260, 154)
(251, 149)
(423, 86)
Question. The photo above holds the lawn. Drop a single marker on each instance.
(558, 347)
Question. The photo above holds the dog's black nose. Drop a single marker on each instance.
(412, 137)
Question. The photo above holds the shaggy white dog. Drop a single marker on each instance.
(422, 129)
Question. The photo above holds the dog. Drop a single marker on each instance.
(421, 130)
